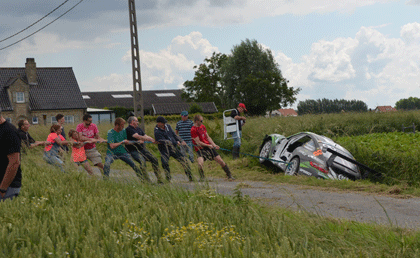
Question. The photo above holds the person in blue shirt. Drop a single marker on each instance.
(167, 145)
(183, 129)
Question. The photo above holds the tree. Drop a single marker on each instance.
(195, 109)
(408, 104)
(205, 86)
(252, 76)
(320, 106)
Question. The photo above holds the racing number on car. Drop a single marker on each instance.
(318, 152)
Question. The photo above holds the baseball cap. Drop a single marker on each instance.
(184, 113)
(242, 105)
(161, 119)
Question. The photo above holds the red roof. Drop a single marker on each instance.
(288, 112)
(385, 109)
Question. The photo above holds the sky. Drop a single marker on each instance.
(349, 49)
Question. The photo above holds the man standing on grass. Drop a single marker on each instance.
(138, 151)
(168, 141)
(236, 114)
(183, 129)
(206, 148)
(89, 130)
(10, 172)
(116, 138)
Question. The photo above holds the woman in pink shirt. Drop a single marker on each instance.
(51, 152)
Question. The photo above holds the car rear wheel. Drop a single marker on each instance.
(265, 151)
(293, 167)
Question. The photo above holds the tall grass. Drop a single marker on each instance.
(74, 215)
(355, 131)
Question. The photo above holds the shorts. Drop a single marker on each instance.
(94, 156)
(207, 154)
(81, 162)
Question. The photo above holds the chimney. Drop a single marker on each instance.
(30, 69)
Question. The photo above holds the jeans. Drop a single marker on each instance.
(188, 148)
(51, 157)
(172, 151)
(11, 193)
(236, 139)
(110, 158)
(144, 155)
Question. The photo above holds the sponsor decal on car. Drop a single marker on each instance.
(318, 152)
(305, 172)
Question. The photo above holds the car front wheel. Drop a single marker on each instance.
(293, 167)
(265, 151)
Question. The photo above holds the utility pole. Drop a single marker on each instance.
(135, 61)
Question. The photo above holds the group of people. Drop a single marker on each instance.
(124, 143)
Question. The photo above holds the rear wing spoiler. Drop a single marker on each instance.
(335, 153)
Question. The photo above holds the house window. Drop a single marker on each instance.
(53, 120)
(34, 120)
(69, 119)
(8, 119)
(20, 97)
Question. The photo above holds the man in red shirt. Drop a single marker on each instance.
(206, 148)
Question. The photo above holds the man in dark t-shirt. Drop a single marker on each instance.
(25, 137)
(10, 172)
(138, 151)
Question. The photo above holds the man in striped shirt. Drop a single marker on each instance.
(183, 129)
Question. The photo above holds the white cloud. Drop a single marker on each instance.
(173, 65)
(370, 67)
(411, 33)
(112, 82)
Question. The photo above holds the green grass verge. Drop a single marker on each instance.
(73, 215)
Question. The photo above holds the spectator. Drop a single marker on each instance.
(78, 153)
(10, 171)
(183, 129)
(52, 151)
(26, 138)
(237, 135)
(168, 141)
(206, 148)
(137, 150)
(89, 130)
(61, 121)
(116, 138)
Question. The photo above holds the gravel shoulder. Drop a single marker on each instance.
(360, 207)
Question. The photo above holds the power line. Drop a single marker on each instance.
(34, 22)
(42, 27)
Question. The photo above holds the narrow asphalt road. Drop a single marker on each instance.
(360, 207)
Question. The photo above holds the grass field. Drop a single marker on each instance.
(74, 215)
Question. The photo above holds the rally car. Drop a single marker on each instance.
(309, 154)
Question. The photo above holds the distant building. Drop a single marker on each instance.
(284, 112)
(156, 102)
(383, 109)
(101, 115)
(39, 94)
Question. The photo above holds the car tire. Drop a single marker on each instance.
(293, 167)
(264, 152)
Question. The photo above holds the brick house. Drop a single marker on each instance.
(39, 94)
(283, 112)
(383, 109)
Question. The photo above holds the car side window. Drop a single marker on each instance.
(305, 141)
(310, 145)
